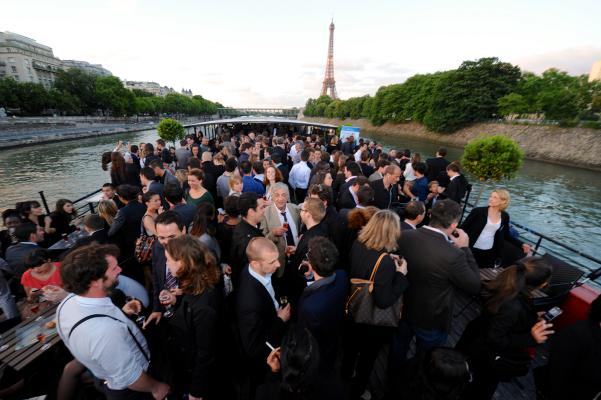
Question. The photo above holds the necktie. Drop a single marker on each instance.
(170, 280)
(289, 237)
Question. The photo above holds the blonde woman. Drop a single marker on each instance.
(488, 229)
(378, 238)
(235, 185)
(107, 209)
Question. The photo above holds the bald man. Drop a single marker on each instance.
(386, 190)
(259, 314)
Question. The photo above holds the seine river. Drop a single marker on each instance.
(561, 202)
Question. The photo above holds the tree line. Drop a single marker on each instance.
(477, 91)
(76, 92)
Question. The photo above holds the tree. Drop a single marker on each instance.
(8, 93)
(512, 103)
(112, 96)
(493, 159)
(33, 98)
(559, 104)
(80, 85)
(171, 130)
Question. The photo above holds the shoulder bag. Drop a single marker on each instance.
(361, 305)
(144, 243)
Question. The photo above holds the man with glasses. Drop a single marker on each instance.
(168, 226)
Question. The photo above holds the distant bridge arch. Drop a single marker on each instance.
(290, 113)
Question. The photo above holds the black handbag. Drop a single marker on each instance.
(362, 308)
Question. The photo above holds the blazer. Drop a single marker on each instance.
(345, 198)
(456, 189)
(192, 343)
(15, 257)
(159, 270)
(271, 219)
(436, 269)
(100, 236)
(285, 172)
(406, 227)
(128, 222)
(243, 233)
(186, 212)
(436, 167)
(383, 197)
(321, 310)
(475, 223)
(257, 320)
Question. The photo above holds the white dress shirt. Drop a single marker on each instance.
(299, 175)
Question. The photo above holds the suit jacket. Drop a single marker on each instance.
(345, 198)
(347, 148)
(271, 219)
(99, 237)
(186, 212)
(321, 310)
(436, 167)
(15, 257)
(456, 189)
(193, 343)
(159, 265)
(285, 172)
(257, 319)
(243, 233)
(436, 269)
(406, 227)
(383, 197)
(127, 223)
(475, 223)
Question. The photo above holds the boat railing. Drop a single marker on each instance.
(82, 205)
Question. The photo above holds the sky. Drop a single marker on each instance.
(273, 53)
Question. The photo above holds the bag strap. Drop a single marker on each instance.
(81, 321)
(373, 272)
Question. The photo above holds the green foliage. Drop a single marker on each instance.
(592, 124)
(171, 130)
(476, 91)
(512, 103)
(113, 97)
(76, 92)
(492, 158)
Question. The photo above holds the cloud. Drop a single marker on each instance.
(575, 61)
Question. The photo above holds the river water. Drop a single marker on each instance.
(561, 202)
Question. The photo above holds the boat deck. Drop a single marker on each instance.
(467, 309)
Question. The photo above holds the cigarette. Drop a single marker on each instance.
(270, 346)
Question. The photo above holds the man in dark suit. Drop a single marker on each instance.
(321, 305)
(457, 186)
(252, 209)
(441, 263)
(386, 189)
(278, 162)
(168, 226)
(175, 198)
(414, 213)
(28, 235)
(437, 166)
(125, 230)
(93, 224)
(348, 147)
(348, 192)
(259, 316)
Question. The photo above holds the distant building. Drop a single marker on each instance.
(94, 69)
(150, 87)
(26, 60)
(595, 74)
(187, 92)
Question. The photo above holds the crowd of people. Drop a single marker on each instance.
(224, 269)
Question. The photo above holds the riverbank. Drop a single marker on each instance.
(30, 133)
(578, 147)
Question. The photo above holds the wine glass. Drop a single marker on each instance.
(164, 297)
(140, 319)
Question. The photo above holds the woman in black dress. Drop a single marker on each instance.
(62, 217)
(192, 341)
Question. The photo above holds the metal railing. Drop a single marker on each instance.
(78, 205)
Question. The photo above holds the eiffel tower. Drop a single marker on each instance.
(329, 82)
